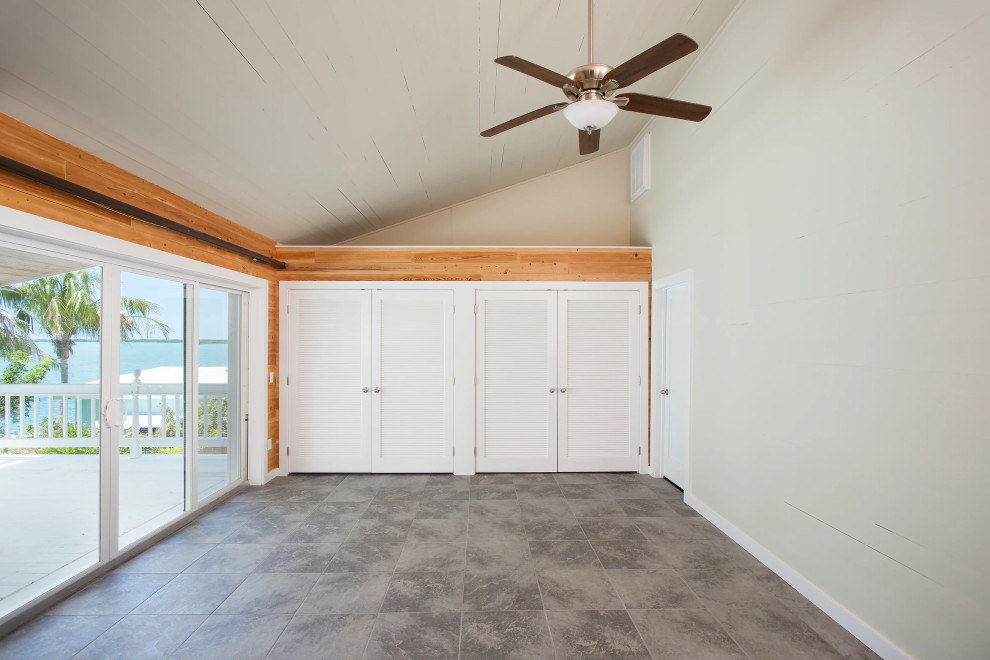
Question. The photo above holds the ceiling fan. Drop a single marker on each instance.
(591, 89)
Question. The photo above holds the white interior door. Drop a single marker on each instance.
(674, 395)
(413, 394)
(329, 404)
(598, 365)
(516, 405)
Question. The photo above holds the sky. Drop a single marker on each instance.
(170, 296)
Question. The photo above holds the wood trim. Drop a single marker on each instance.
(470, 264)
(99, 199)
(30, 146)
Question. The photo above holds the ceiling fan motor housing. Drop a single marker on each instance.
(588, 79)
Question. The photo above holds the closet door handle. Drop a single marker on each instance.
(377, 390)
(551, 390)
(365, 390)
(563, 390)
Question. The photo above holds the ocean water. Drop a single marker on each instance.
(84, 364)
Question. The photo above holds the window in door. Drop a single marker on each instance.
(219, 418)
(50, 406)
(152, 366)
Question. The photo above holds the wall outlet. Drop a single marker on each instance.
(269, 444)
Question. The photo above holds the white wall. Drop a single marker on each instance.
(583, 205)
(835, 208)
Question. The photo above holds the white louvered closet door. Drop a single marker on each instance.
(516, 405)
(413, 394)
(598, 374)
(329, 366)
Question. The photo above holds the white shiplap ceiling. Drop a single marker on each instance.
(314, 121)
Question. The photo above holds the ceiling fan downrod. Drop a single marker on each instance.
(591, 31)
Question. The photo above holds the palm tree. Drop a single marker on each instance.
(14, 328)
(67, 306)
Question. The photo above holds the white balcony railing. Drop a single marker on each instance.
(54, 416)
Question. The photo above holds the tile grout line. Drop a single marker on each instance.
(301, 601)
(546, 614)
(467, 526)
(605, 570)
(718, 621)
(254, 572)
(374, 624)
(124, 616)
(280, 633)
(640, 633)
(460, 632)
(213, 611)
(391, 578)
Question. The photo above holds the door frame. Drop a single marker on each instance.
(658, 365)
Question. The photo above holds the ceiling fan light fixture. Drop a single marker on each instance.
(590, 114)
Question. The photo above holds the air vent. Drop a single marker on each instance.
(639, 168)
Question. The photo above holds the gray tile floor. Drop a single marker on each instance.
(534, 566)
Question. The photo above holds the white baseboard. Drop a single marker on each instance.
(852, 623)
(277, 472)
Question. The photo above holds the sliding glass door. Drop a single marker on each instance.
(153, 365)
(50, 441)
(109, 431)
(219, 417)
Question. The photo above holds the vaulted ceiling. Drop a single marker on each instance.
(314, 121)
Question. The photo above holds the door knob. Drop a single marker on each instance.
(665, 392)
(551, 390)
(563, 390)
(377, 390)
(365, 390)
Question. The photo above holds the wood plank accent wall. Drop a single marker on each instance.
(23, 143)
(473, 264)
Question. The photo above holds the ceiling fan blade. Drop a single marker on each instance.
(522, 119)
(534, 70)
(666, 52)
(661, 107)
(588, 142)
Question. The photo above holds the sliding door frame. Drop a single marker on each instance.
(112, 388)
(242, 417)
(109, 392)
(40, 234)
(20, 230)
